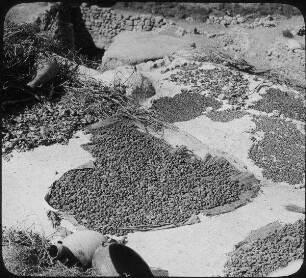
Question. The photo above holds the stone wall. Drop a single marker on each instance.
(227, 20)
(105, 23)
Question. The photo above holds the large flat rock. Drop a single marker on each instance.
(137, 47)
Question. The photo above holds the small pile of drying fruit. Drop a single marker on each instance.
(270, 248)
(281, 153)
(223, 83)
(184, 106)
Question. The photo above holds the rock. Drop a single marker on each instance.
(269, 24)
(101, 43)
(193, 220)
(180, 31)
(301, 31)
(158, 19)
(195, 31)
(164, 70)
(293, 44)
(137, 47)
(223, 22)
(240, 19)
(8, 145)
(275, 113)
(138, 86)
(170, 22)
(119, 16)
(221, 96)
(63, 232)
(94, 7)
(211, 35)
(147, 28)
(189, 19)
(88, 165)
(293, 32)
(159, 63)
(269, 52)
(167, 61)
(209, 109)
(228, 18)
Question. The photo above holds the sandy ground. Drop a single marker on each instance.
(200, 249)
(27, 176)
(197, 250)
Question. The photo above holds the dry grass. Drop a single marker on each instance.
(25, 253)
(24, 46)
(93, 100)
(102, 101)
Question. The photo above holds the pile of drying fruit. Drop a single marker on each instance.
(225, 115)
(184, 106)
(281, 153)
(42, 124)
(223, 83)
(270, 248)
(140, 180)
(49, 122)
(287, 105)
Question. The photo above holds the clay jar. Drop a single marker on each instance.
(77, 247)
(118, 260)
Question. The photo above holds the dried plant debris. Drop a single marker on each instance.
(270, 248)
(281, 153)
(184, 106)
(225, 116)
(139, 181)
(287, 105)
(230, 84)
(49, 122)
(25, 253)
(282, 79)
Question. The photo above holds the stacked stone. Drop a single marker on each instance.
(267, 21)
(105, 22)
(226, 20)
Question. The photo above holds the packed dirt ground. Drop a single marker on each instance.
(197, 161)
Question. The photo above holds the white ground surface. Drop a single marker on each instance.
(27, 176)
(196, 250)
(200, 249)
(231, 137)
